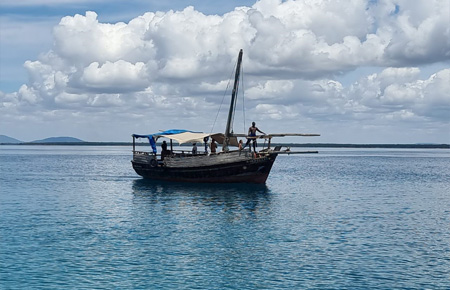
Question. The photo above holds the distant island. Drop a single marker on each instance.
(52, 140)
(6, 140)
(59, 140)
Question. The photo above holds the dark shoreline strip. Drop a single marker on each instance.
(309, 145)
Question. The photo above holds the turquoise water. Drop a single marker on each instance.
(75, 217)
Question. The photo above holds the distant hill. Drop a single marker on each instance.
(58, 140)
(8, 140)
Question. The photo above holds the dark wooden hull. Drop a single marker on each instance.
(248, 171)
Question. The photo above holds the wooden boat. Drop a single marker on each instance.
(227, 166)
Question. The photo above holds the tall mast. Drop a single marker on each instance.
(233, 102)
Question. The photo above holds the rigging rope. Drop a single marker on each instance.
(220, 107)
(234, 109)
(243, 96)
(241, 81)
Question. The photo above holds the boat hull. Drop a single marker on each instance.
(254, 170)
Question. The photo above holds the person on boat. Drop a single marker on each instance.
(205, 140)
(252, 134)
(164, 151)
(213, 146)
(241, 145)
(164, 146)
(194, 149)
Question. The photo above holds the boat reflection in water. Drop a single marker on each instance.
(250, 198)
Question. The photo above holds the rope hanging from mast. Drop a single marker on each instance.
(231, 114)
(234, 111)
(243, 97)
(223, 98)
(240, 83)
(233, 102)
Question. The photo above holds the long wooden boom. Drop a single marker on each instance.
(295, 152)
(269, 136)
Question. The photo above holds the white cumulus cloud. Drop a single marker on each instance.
(178, 63)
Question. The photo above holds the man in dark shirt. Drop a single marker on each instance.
(164, 151)
(252, 133)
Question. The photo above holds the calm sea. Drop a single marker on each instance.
(75, 217)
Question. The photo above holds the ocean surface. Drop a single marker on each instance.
(78, 217)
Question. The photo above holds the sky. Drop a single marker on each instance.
(353, 71)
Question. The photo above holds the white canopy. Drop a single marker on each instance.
(186, 137)
(190, 137)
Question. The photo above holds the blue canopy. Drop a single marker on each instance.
(151, 137)
(168, 132)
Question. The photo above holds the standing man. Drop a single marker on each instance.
(213, 146)
(252, 134)
(205, 140)
(164, 151)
